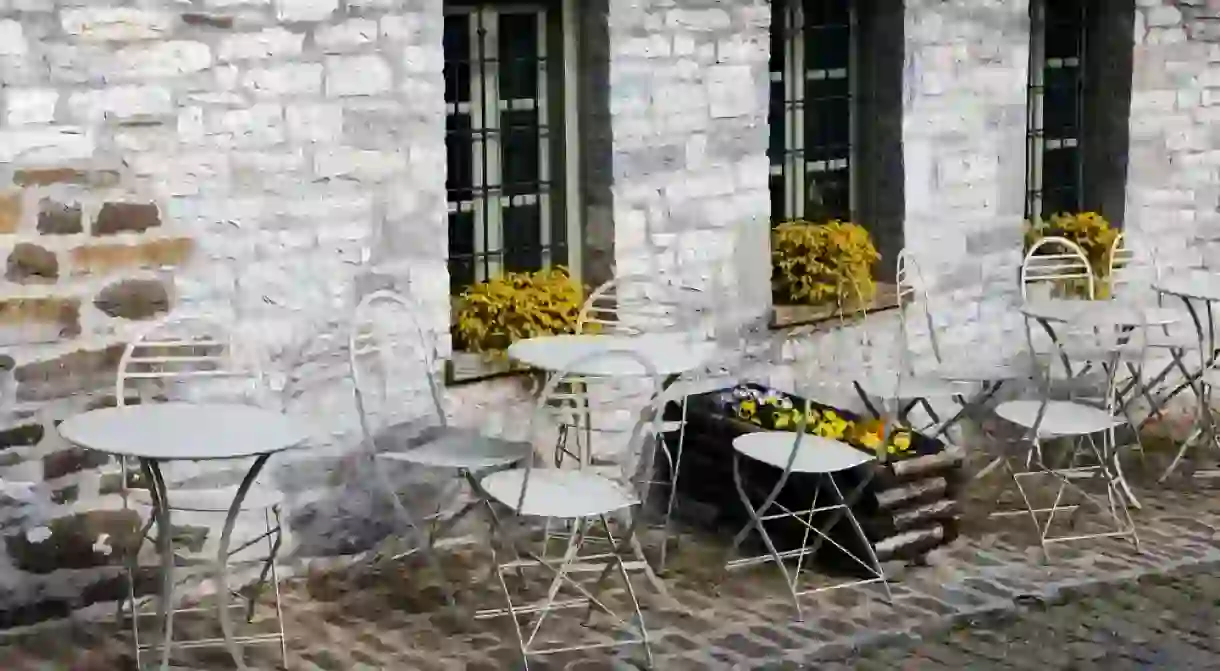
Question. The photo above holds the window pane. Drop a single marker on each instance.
(518, 56)
(1064, 28)
(1062, 98)
(521, 136)
(827, 119)
(779, 209)
(827, 12)
(457, 58)
(522, 242)
(461, 250)
(775, 119)
(829, 195)
(827, 47)
(458, 146)
(1060, 180)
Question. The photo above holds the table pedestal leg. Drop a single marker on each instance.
(222, 563)
(165, 548)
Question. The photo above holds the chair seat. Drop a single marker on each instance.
(212, 500)
(565, 494)
(449, 447)
(814, 454)
(886, 386)
(1062, 418)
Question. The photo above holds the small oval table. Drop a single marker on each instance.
(163, 432)
(669, 353)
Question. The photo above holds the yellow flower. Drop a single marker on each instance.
(902, 441)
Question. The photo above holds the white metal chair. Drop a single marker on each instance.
(1088, 341)
(394, 365)
(898, 382)
(188, 358)
(1057, 268)
(801, 452)
(582, 497)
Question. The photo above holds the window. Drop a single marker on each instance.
(1055, 163)
(1079, 102)
(507, 138)
(812, 89)
(835, 120)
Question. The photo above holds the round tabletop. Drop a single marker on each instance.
(186, 431)
(814, 455)
(1198, 284)
(669, 353)
(1115, 312)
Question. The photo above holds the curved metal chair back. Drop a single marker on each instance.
(193, 353)
(389, 353)
(1058, 262)
(643, 403)
(913, 294)
(635, 304)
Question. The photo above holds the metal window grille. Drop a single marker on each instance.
(502, 135)
(812, 96)
(1055, 160)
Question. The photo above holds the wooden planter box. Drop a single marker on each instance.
(908, 508)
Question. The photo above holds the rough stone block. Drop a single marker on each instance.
(314, 122)
(133, 299)
(121, 102)
(220, 21)
(357, 76)
(71, 460)
(30, 105)
(73, 540)
(10, 211)
(28, 263)
(163, 59)
(12, 39)
(45, 144)
(90, 259)
(72, 373)
(25, 435)
(49, 176)
(358, 164)
(347, 36)
(55, 218)
(305, 10)
(61, 314)
(285, 80)
(270, 43)
(126, 218)
(116, 23)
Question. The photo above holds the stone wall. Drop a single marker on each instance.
(1173, 188)
(240, 159)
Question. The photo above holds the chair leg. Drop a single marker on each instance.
(274, 549)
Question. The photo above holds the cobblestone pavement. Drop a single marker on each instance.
(1157, 623)
(347, 620)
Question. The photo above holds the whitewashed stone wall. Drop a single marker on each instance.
(239, 159)
(1173, 187)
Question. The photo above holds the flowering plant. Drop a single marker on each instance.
(776, 411)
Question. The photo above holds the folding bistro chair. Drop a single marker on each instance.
(186, 357)
(393, 365)
(802, 452)
(1086, 343)
(586, 499)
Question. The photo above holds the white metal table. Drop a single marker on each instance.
(1195, 287)
(669, 353)
(164, 432)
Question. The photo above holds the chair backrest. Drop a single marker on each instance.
(1059, 265)
(558, 409)
(1090, 344)
(913, 296)
(635, 304)
(390, 355)
(193, 354)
